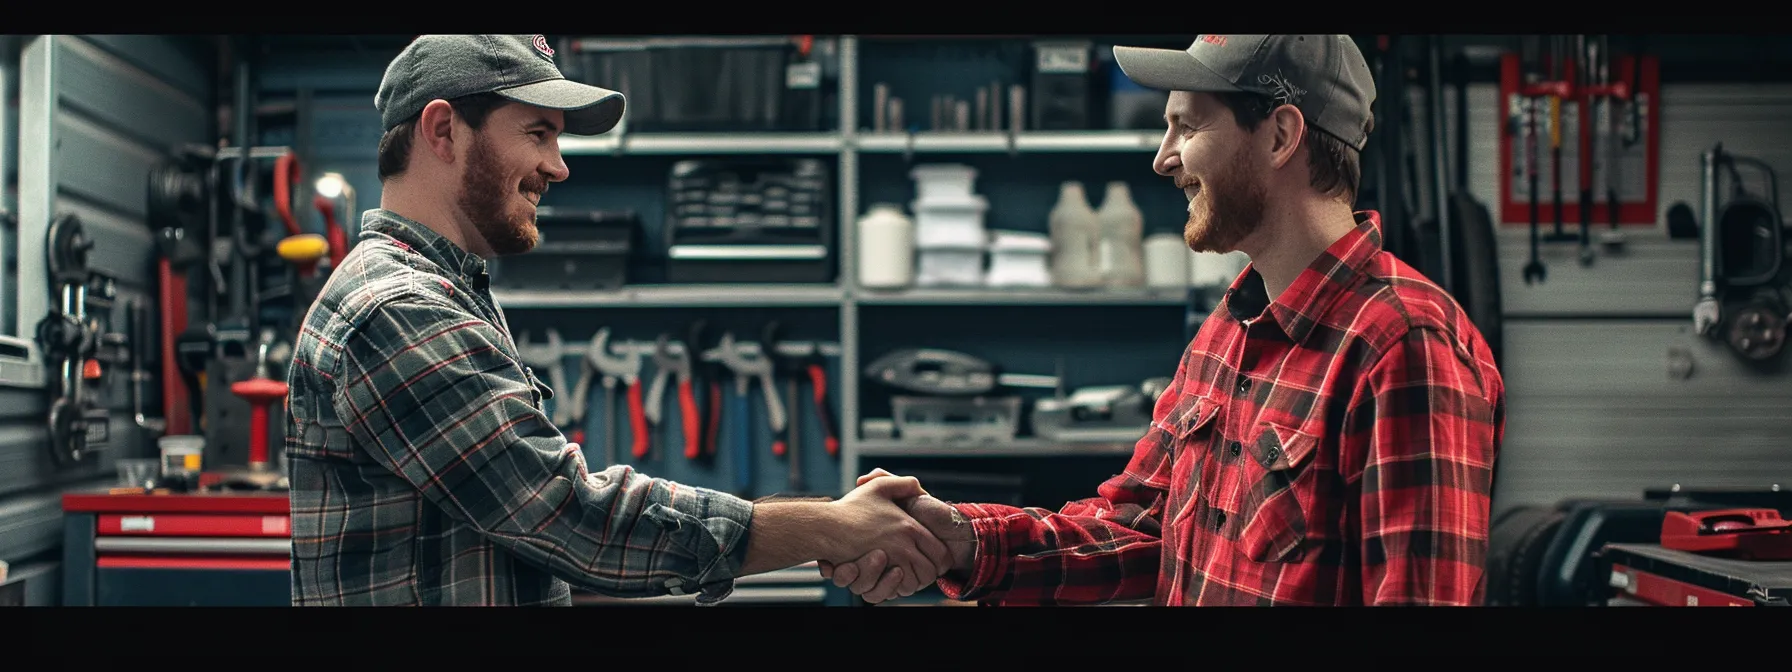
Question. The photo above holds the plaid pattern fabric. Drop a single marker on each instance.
(1332, 447)
(425, 471)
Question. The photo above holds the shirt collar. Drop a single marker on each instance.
(422, 240)
(1322, 283)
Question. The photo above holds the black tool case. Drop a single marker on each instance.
(750, 220)
(713, 84)
(579, 249)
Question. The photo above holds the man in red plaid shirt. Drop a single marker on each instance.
(1329, 436)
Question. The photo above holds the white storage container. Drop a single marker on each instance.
(1166, 261)
(1019, 259)
(950, 222)
(886, 247)
(944, 181)
(949, 266)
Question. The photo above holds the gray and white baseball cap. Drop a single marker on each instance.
(1324, 76)
(518, 67)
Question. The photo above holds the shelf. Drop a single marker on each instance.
(702, 143)
(936, 296)
(1015, 448)
(674, 295)
(973, 142)
(965, 142)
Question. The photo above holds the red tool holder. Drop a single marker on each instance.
(1749, 534)
(1513, 204)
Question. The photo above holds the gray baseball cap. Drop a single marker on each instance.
(1324, 76)
(518, 67)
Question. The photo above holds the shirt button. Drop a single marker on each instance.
(1244, 383)
(1219, 520)
(1235, 447)
(1273, 453)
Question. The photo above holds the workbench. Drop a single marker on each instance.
(192, 549)
(1650, 575)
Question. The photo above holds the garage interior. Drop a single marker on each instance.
(770, 300)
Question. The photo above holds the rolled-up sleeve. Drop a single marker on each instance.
(430, 393)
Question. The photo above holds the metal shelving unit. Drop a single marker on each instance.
(666, 296)
(847, 144)
(1016, 448)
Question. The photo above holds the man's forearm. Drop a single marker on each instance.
(789, 533)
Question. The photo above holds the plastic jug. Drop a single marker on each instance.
(1076, 235)
(1122, 226)
(886, 247)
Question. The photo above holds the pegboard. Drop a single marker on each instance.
(1638, 163)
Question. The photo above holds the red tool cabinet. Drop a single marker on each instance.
(1651, 575)
(203, 549)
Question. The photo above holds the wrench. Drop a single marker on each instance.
(667, 364)
(624, 370)
(549, 356)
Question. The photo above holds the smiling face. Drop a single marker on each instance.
(1213, 161)
(506, 170)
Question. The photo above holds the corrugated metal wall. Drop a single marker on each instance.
(1594, 411)
(120, 103)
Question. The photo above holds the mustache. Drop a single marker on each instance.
(537, 184)
(1184, 181)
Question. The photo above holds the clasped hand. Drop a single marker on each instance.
(905, 539)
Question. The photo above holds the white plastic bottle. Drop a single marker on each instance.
(886, 247)
(1122, 232)
(1076, 234)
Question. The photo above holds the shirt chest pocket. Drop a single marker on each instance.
(1191, 428)
(1274, 498)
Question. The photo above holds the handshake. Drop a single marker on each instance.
(893, 539)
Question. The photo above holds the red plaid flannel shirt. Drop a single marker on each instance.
(1334, 449)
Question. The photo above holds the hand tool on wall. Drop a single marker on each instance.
(1557, 67)
(746, 367)
(623, 370)
(1533, 270)
(817, 368)
(786, 442)
(739, 425)
(706, 382)
(581, 390)
(260, 391)
(1584, 155)
(1612, 91)
(666, 364)
(137, 332)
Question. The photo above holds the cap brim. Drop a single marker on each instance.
(1169, 70)
(590, 110)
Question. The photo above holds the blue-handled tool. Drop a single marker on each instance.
(741, 428)
(746, 367)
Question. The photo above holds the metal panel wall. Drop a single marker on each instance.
(1594, 412)
(95, 114)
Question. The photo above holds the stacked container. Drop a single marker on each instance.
(950, 238)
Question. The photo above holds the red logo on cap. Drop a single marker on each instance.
(1215, 40)
(541, 45)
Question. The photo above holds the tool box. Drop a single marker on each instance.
(1714, 558)
(579, 249)
(749, 220)
(198, 549)
(714, 85)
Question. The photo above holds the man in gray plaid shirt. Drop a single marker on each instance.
(423, 468)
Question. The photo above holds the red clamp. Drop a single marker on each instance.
(1749, 534)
